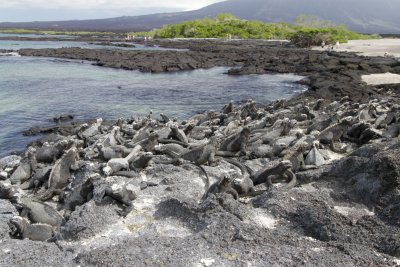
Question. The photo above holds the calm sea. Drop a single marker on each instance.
(34, 90)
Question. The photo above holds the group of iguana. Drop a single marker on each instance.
(293, 136)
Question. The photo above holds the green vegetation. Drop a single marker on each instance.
(307, 31)
(77, 33)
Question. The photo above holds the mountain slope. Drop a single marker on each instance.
(370, 16)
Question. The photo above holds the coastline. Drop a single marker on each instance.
(331, 74)
(370, 48)
(346, 205)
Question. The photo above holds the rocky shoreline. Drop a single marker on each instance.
(330, 74)
(313, 180)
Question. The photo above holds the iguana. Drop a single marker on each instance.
(335, 132)
(198, 155)
(273, 170)
(22, 228)
(222, 186)
(178, 134)
(25, 168)
(39, 212)
(50, 153)
(116, 164)
(60, 175)
(236, 142)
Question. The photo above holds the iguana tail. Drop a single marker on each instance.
(170, 141)
(206, 181)
(293, 181)
(236, 163)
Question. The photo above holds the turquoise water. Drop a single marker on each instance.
(34, 90)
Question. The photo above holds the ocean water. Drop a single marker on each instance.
(32, 35)
(16, 45)
(34, 90)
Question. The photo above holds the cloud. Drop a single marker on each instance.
(45, 10)
(105, 4)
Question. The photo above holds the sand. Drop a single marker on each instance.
(381, 78)
(375, 47)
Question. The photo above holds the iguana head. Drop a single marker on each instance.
(347, 120)
(174, 128)
(225, 180)
(285, 165)
(17, 225)
(245, 132)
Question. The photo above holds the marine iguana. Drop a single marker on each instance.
(178, 134)
(164, 118)
(141, 161)
(113, 138)
(107, 153)
(116, 164)
(171, 150)
(279, 128)
(8, 191)
(124, 194)
(25, 168)
(91, 130)
(275, 169)
(38, 179)
(80, 194)
(38, 212)
(322, 124)
(50, 153)
(22, 228)
(244, 185)
(236, 142)
(335, 132)
(222, 186)
(198, 155)
(60, 175)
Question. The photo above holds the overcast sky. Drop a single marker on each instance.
(29, 10)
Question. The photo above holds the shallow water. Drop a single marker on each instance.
(16, 45)
(32, 35)
(34, 90)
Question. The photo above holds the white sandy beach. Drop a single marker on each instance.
(375, 47)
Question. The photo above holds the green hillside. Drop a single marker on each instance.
(307, 30)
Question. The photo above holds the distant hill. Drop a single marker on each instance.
(366, 16)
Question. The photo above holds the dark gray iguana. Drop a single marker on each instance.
(81, 194)
(273, 171)
(236, 142)
(335, 132)
(39, 212)
(60, 175)
(25, 168)
(178, 134)
(22, 228)
(222, 186)
(198, 155)
(50, 153)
